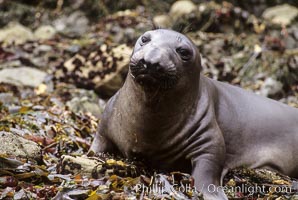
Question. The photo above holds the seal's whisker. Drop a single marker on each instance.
(132, 75)
(167, 80)
(172, 67)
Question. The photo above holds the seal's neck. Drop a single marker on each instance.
(166, 104)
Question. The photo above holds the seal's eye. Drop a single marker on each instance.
(185, 54)
(145, 39)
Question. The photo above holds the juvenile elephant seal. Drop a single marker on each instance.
(177, 119)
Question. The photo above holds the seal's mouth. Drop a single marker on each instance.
(153, 75)
(146, 80)
(143, 75)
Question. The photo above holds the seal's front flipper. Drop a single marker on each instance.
(207, 178)
(95, 147)
(99, 145)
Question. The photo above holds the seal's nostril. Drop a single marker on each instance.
(142, 61)
(153, 67)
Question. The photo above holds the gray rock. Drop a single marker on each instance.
(22, 76)
(124, 35)
(84, 105)
(163, 21)
(182, 8)
(294, 31)
(10, 64)
(85, 166)
(130, 34)
(8, 98)
(16, 146)
(45, 32)
(281, 14)
(271, 87)
(291, 101)
(74, 25)
(111, 84)
(16, 33)
(290, 43)
(42, 48)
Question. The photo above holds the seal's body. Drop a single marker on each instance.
(177, 119)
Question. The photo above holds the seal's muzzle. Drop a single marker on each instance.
(151, 74)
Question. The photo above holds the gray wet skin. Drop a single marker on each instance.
(176, 119)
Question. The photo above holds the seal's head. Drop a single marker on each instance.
(161, 58)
